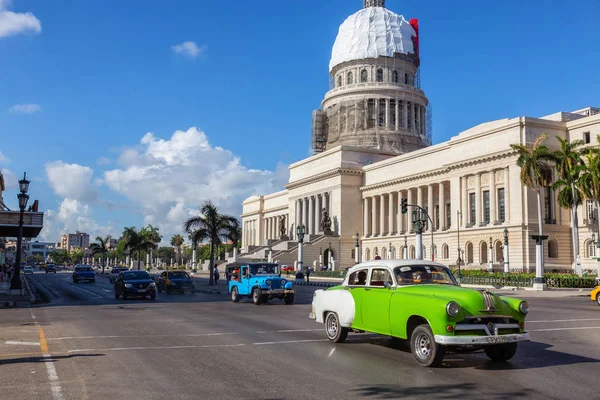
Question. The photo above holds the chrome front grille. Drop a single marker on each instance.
(489, 302)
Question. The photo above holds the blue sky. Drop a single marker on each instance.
(105, 73)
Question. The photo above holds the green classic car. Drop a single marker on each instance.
(421, 302)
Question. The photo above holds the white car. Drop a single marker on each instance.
(28, 270)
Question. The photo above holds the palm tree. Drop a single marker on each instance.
(135, 242)
(590, 180)
(569, 166)
(177, 241)
(536, 174)
(212, 226)
(152, 238)
(235, 236)
(76, 254)
(100, 248)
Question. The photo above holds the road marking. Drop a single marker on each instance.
(143, 336)
(290, 341)
(16, 342)
(106, 290)
(49, 363)
(87, 291)
(563, 320)
(564, 329)
(156, 348)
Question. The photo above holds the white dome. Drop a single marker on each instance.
(370, 33)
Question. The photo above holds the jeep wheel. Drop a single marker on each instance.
(501, 352)
(289, 299)
(335, 332)
(256, 296)
(424, 348)
(235, 295)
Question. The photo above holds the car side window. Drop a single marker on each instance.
(379, 277)
(163, 275)
(358, 278)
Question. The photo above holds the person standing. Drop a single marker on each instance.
(308, 275)
(216, 274)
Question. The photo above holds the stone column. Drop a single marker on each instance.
(305, 212)
(506, 195)
(409, 196)
(391, 216)
(465, 202)
(477, 199)
(401, 227)
(430, 209)
(311, 216)
(366, 216)
(420, 196)
(366, 116)
(376, 109)
(318, 210)
(381, 214)
(492, 189)
(418, 118)
(387, 114)
(373, 216)
(405, 114)
(298, 212)
(397, 122)
(442, 207)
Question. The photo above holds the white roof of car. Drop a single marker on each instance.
(393, 264)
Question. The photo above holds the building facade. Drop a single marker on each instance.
(77, 239)
(469, 185)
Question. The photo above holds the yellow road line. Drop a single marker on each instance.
(43, 342)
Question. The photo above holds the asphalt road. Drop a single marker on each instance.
(87, 345)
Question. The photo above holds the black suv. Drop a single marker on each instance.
(134, 284)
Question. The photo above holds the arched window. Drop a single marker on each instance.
(552, 249)
(434, 252)
(393, 255)
(339, 80)
(445, 251)
(499, 251)
(380, 75)
(469, 251)
(412, 252)
(406, 78)
(424, 252)
(376, 253)
(368, 255)
(350, 78)
(590, 249)
(364, 76)
(483, 252)
(395, 76)
(384, 253)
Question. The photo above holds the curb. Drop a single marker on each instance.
(42, 292)
(32, 298)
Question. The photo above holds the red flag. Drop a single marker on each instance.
(414, 22)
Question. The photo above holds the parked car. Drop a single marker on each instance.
(134, 284)
(421, 302)
(28, 270)
(261, 282)
(287, 268)
(83, 273)
(114, 273)
(175, 281)
(50, 268)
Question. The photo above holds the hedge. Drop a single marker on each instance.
(553, 280)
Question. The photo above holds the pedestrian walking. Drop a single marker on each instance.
(10, 272)
(308, 275)
(216, 274)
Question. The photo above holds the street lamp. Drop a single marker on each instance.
(405, 248)
(300, 231)
(270, 255)
(15, 283)
(491, 260)
(356, 248)
(506, 263)
(458, 221)
(390, 251)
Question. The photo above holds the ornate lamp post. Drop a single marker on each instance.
(300, 232)
(458, 221)
(419, 218)
(356, 248)
(390, 251)
(597, 243)
(270, 256)
(405, 249)
(15, 283)
(491, 259)
(506, 263)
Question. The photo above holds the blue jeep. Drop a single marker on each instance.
(259, 281)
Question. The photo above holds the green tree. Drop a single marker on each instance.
(59, 256)
(569, 166)
(177, 241)
(135, 242)
(235, 235)
(210, 226)
(100, 249)
(152, 238)
(590, 180)
(120, 250)
(166, 254)
(536, 174)
(75, 255)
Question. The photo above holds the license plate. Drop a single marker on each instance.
(142, 290)
(497, 339)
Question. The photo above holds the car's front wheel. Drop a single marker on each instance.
(501, 352)
(235, 295)
(424, 348)
(256, 296)
(334, 330)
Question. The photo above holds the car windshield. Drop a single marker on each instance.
(178, 275)
(86, 269)
(264, 269)
(135, 275)
(424, 275)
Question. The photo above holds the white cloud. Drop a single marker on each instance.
(12, 23)
(103, 161)
(24, 108)
(169, 179)
(72, 181)
(189, 49)
(4, 159)
(10, 179)
(72, 215)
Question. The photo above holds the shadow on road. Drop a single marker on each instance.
(38, 359)
(455, 391)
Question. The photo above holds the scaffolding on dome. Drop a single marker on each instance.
(429, 124)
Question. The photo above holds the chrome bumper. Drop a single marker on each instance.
(481, 340)
(278, 292)
(312, 316)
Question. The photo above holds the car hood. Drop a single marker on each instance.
(473, 301)
(138, 281)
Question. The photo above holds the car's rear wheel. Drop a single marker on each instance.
(426, 351)
(334, 330)
(289, 299)
(235, 295)
(598, 299)
(501, 352)
(256, 296)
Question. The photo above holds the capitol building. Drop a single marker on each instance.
(373, 148)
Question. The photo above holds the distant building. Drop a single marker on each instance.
(77, 239)
(40, 248)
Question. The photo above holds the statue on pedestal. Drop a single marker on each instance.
(326, 223)
(283, 229)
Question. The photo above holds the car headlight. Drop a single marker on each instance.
(128, 285)
(152, 284)
(452, 309)
(283, 281)
(268, 282)
(524, 307)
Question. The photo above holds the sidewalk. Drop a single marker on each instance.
(9, 299)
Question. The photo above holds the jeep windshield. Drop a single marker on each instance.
(423, 275)
(264, 269)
